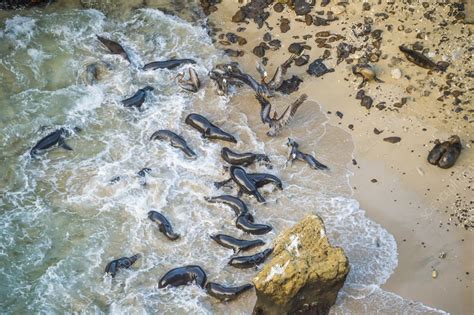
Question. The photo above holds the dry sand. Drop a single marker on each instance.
(411, 198)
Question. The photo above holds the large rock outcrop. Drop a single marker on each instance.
(305, 273)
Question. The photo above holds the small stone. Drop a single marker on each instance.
(360, 94)
(278, 7)
(366, 6)
(373, 180)
(302, 60)
(434, 274)
(267, 37)
(296, 48)
(392, 139)
(339, 114)
(259, 51)
(366, 101)
(285, 26)
(377, 132)
(325, 2)
(308, 19)
(396, 73)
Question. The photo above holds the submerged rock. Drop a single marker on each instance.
(305, 273)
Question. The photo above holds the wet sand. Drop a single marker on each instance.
(393, 182)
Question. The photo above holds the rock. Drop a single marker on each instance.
(396, 73)
(360, 94)
(318, 68)
(338, 9)
(284, 25)
(392, 139)
(296, 48)
(366, 101)
(302, 60)
(301, 7)
(469, 12)
(289, 86)
(259, 51)
(267, 37)
(308, 19)
(366, 6)
(278, 7)
(434, 274)
(233, 53)
(305, 273)
(275, 43)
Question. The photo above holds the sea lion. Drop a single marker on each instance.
(114, 47)
(366, 72)
(421, 60)
(232, 71)
(235, 203)
(244, 159)
(192, 84)
(261, 179)
(138, 98)
(163, 224)
(223, 293)
(207, 129)
(52, 139)
(296, 154)
(277, 78)
(174, 140)
(167, 64)
(244, 262)
(121, 263)
(183, 276)
(277, 123)
(446, 153)
(236, 244)
(246, 185)
(245, 222)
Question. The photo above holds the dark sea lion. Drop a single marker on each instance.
(121, 263)
(138, 98)
(246, 185)
(167, 64)
(163, 224)
(114, 47)
(244, 262)
(236, 244)
(262, 179)
(235, 203)
(244, 159)
(450, 156)
(183, 276)
(57, 137)
(223, 293)
(174, 140)
(295, 154)
(420, 60)
(245, 223)
(207, 129)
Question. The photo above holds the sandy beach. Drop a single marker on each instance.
(417, 202)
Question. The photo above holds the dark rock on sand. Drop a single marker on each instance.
(290, 85)
(318, 68)
(366, 101)
(360, 94)
(278, 7)
(325, 2)
(392, 139)
(301, 7)
(302, 60)
(296, 48)
(254, 10)
(284, 25)
(259, 51)
(233, 53)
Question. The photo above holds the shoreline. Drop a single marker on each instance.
(412, 199)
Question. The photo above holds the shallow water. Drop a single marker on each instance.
(62, 220)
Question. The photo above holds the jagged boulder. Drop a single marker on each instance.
(304, 274)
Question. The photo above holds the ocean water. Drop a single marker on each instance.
(62, 220)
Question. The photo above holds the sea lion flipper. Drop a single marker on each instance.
(64, 145)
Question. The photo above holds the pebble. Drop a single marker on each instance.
(434, 274)
(284, 25)
(278, 7)
(392, 139)
(396, 73)
(259, 51)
